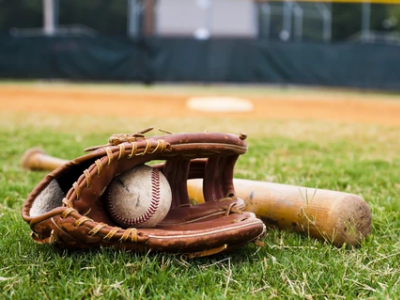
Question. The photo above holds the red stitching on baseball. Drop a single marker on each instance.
(155, 202)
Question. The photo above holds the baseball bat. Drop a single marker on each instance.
(337, 217)
(36, 159)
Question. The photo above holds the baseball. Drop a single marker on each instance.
(140, 197)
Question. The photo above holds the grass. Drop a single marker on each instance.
(243, 90)
(360, 159)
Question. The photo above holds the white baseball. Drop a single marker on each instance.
(140, 197)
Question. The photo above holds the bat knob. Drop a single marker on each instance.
(36, 159)
(28, 160)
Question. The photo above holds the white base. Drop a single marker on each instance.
(220, 104)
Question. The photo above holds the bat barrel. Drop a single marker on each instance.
(337, 217)
(37, 159)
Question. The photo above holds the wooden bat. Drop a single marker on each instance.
(337, 217)
(36, 159)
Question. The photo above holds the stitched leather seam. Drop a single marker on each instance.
(154, 204)
(155, 200)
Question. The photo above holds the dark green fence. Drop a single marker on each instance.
(189, 60)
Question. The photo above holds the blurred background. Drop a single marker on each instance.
(339, 44)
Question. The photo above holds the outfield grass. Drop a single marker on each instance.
(242, 90)
(360, 159)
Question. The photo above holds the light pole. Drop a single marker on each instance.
(50, 17)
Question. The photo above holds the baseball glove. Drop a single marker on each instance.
(67, 208)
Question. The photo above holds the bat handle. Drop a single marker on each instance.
(37, 159)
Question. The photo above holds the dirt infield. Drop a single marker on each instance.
(295, 105)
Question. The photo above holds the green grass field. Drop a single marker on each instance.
(355, 158)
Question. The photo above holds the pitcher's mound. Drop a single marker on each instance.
(220, 104)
